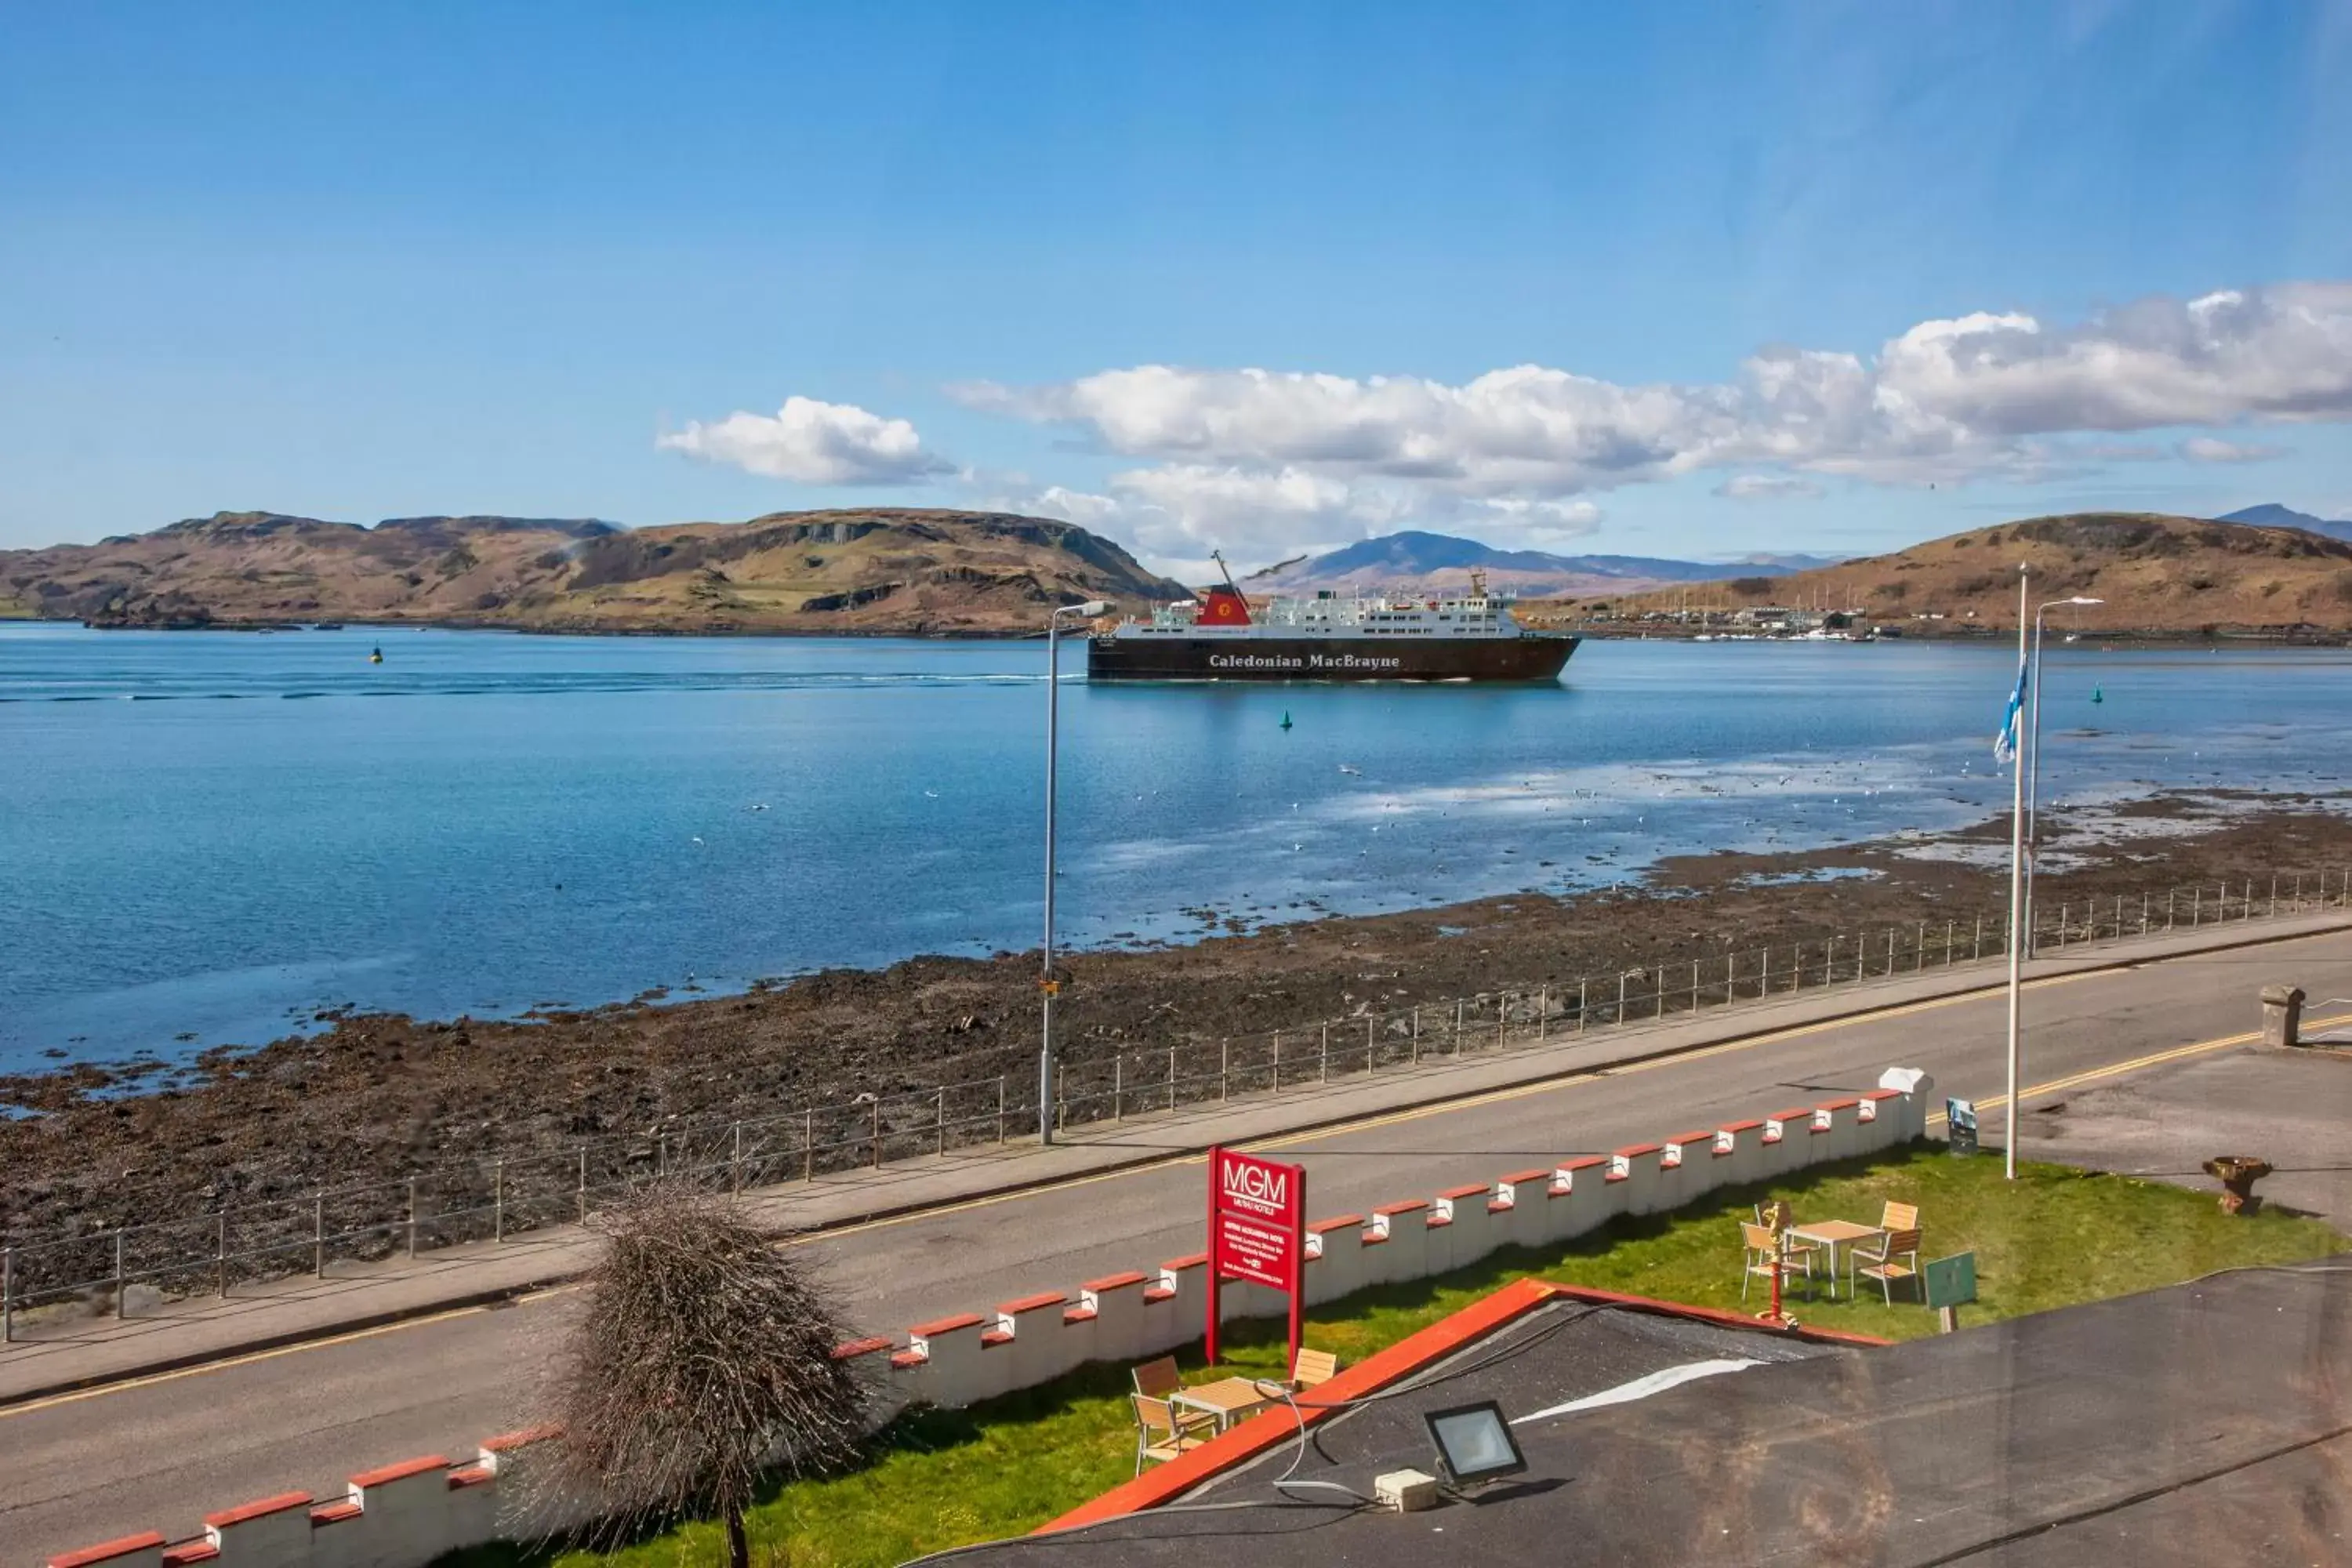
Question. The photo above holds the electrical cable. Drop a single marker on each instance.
(1564, 1316)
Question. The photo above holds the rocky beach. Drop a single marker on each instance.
(378, 1097)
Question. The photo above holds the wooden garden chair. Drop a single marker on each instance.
(1762, 1259)
(1884, 1261)
(1163, 1431)
(1158, 1379)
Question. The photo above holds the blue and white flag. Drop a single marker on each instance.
(2004, 744)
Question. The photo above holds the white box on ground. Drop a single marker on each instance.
(1407, 1492)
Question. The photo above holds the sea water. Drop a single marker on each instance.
(212, 837)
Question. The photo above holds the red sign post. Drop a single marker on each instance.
(1257, 1232)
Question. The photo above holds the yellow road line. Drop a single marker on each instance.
(1999, 1105)
(76, 1396)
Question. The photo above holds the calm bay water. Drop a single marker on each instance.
(208, 837)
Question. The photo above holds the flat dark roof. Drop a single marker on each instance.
(2206, 1424)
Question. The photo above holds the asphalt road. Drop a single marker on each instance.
(161, 1452)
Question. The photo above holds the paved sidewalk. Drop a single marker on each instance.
(54, 1356)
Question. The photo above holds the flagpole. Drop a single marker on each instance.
(2016, 891)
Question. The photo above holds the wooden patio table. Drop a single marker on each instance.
(1228, 1399)
(1833, 1233)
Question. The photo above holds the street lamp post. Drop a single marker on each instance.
(1046, 983)
(2016, 894)
(2033, 762)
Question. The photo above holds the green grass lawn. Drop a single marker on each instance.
(2055, 1237)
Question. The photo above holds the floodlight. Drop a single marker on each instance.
(1473, 1442)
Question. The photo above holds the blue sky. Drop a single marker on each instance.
(359, 262)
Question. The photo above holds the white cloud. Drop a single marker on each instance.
(811, 442)
(1768, 487)
(1277, 458)
(2211, 450)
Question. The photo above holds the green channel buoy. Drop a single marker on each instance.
(1286, 718)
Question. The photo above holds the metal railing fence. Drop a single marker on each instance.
(495, 1198)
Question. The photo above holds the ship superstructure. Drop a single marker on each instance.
(1385, 636)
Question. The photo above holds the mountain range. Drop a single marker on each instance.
(886, 570)
(2269, 514)
(1416, 561)
(2154, 572)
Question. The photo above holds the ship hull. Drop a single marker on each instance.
(1532, 657)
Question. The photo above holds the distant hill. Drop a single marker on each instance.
(1418, 562)
(2156, 573)
(885, 570)
(2269, 514)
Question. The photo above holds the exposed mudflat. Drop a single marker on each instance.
(375, 1098)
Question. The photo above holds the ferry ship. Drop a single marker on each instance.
(1394, 637)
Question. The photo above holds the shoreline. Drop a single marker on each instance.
(2109, 639)
(377, 1097)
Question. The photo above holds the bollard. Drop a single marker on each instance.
(583, 1184)
(220, 1254)
(411, 1217)
(1171, 1077)
(1224, 1067)
(877, 1132)
(1416, 1034)
(808, 1153)
(2281, 1014)
(1278, 1062)
(1000, 1109)
(499, 1199)
(8, 1294)
(735, 1161)
(1323, 1062)
(319, 1236)
(119, 1310)
(1581, 991)
(939, 1116)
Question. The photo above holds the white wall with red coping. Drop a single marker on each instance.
(405, 1515)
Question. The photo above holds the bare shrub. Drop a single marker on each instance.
(702, 1362)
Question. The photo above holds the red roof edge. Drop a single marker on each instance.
(146, 1540)
(226, 1517)
(1115, 1281)
(1714, 1315)
(528, 1435)
(1273, 1427)
(384, 1475)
